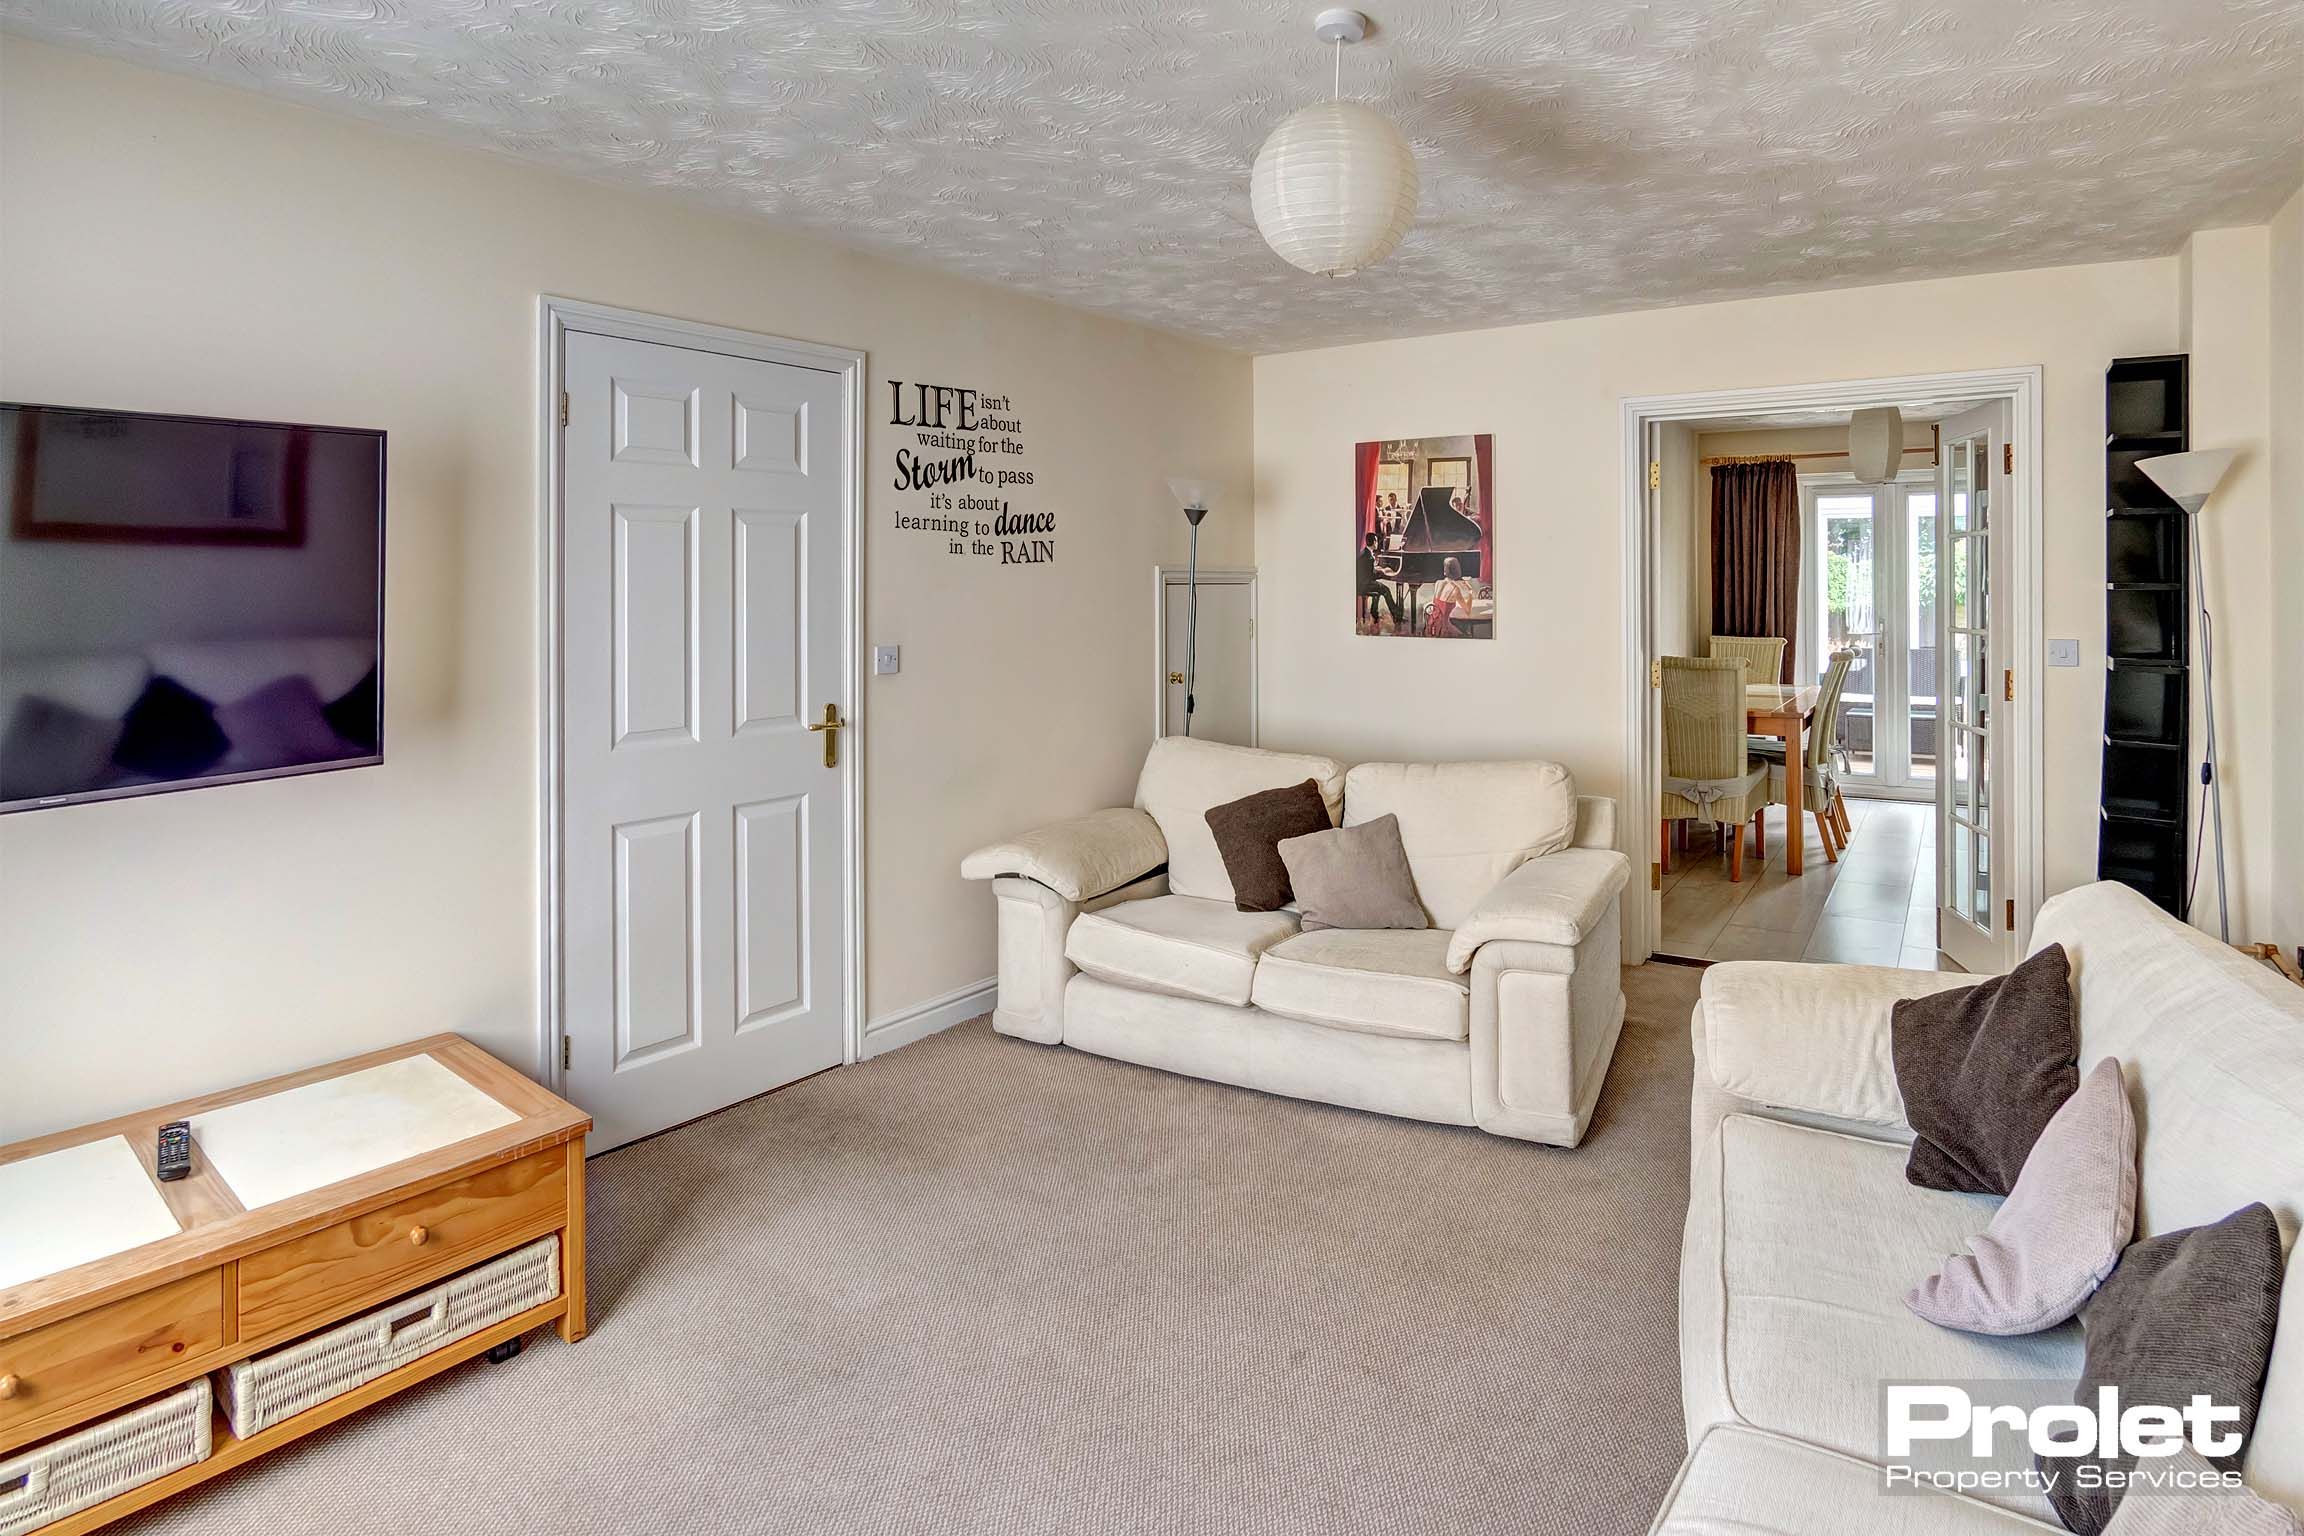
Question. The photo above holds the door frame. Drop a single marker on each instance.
(1166, 576)
(556, 317)
(1643, 738)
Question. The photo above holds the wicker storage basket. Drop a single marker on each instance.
(261, 1392)
(88, 1466)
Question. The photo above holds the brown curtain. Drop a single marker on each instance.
(1756, 552)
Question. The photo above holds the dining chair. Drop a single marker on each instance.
(1820, 781)
(1708, 774)
(1763, 653)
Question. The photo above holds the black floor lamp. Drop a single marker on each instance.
(1192, 496)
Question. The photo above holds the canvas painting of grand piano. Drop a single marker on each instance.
(1424, 536)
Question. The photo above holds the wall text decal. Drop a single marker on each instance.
(966, 447)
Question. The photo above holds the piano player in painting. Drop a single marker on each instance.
(1434, 567)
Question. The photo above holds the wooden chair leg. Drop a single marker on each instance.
(1665, 853)
(1840, 815)
(1734, 832)
(1760, 833)
(1825, 831)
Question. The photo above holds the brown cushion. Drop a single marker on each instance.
(1983, 1070)
(2186, 1312)
(1248, 833)
(1354, 877)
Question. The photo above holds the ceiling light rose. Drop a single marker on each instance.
(1334, 187)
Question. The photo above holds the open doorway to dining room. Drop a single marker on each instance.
(1834, 741)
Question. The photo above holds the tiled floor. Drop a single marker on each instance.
(1877, 906)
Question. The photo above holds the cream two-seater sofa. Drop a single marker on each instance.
(1803, 1234)
(1118, 935)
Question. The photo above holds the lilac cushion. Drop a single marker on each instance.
(2060, 1231)
(280, 725)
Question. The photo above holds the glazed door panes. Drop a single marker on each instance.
(1919, 639)
(1870, 584)
(1845, 540)
(1968, 791)
(1971, 925)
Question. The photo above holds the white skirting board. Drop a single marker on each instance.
(921, 1020)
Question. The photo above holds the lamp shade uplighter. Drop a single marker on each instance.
(2187, 478)
(1190, 493)
(1334, 188)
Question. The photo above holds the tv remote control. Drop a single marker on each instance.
(175, 1158)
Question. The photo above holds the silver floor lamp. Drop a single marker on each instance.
(1192, 496)
(2188, 478)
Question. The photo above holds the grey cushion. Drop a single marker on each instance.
(1354, 877)
(2186, 1312)
(2191, 1502)
(1248, 833)
(53, 749)
(1983, 1070)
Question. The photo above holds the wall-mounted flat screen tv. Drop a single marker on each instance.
(184, 601)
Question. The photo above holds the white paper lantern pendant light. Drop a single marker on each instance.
(1334, 187)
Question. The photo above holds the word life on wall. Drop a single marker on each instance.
(965, 454)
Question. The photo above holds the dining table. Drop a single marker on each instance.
(1783, 710)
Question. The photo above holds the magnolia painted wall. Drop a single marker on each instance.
(2224, 321)
(1551, 684)
(175, 246)
(2286, 277)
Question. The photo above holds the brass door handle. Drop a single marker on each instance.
(831, 725)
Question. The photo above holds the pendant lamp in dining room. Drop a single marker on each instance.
(1334, 187)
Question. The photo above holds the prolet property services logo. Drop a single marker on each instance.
(2011, 1436)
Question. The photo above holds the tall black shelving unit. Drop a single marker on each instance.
(2147, 635)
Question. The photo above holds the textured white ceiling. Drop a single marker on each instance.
(1578, 156)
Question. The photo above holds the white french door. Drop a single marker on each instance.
(1974, 913)
(702, 834)
(1868, 588)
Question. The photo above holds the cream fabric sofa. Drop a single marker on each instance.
(1118, 935)
(1803, 1235)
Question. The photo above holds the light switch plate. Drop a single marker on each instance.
(2063, 653)
(887, 659)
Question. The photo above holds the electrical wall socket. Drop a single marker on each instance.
(887, 659)
(2063, 653)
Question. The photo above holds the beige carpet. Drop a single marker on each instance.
(979, 1286)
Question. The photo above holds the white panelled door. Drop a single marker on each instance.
(1225, 708)
(703, 870)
